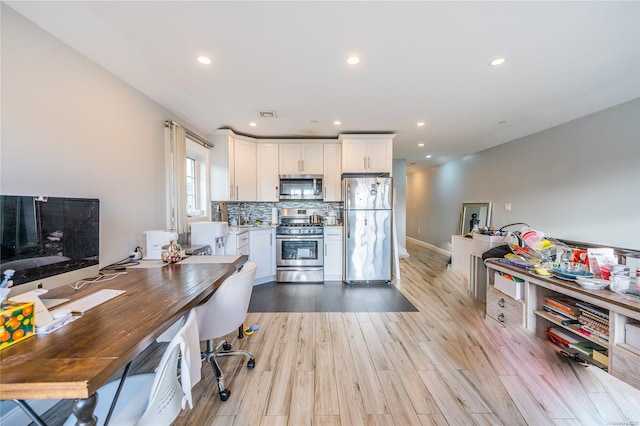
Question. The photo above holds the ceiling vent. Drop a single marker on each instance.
(267, 114)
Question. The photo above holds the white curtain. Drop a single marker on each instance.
(176, 136)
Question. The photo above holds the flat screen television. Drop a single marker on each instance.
(48, 241)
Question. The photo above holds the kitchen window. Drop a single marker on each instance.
(197, 180)
(187, 177)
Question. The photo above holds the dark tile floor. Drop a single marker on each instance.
(332, 296)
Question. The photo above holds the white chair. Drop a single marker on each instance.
(221, 315)
(155, 399)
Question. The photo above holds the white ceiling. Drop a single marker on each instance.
(420, 61)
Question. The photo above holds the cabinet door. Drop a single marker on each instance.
(354, 156)
(245, 170)
(290, 161)
(332, 190)
(222, 167)
(267, 179)
(379, 157)
(333, 253)
(261, 251)
(312, 156)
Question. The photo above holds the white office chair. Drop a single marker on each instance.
(222, 314)
(155, 399)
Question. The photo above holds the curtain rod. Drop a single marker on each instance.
(193, 135)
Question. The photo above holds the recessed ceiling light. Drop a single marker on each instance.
(497, 61)
(420, 144)
(352, 60)
(428, 156)
(337, 122)
(420, 123)
(204, 60)
(252, 124)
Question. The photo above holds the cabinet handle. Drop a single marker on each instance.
(501, 317)
(302, 161)
(501, 303)
(369, 164)
(365, 161)
(237, 190)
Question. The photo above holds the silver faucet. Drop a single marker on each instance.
(244, 214)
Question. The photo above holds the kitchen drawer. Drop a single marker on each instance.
(514, 289)
(243, 239)
(503, 308)
(625, 365)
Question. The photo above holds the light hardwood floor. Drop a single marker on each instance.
(443, 365)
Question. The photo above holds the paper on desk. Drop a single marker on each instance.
(56, 325)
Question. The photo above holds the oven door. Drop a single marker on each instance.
(299, 250)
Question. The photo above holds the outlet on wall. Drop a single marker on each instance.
(418, 230)
(507, 207)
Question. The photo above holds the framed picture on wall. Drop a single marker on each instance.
(474, 215)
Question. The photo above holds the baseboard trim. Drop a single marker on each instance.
(430, 246)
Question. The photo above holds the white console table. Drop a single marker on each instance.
(469, 265)
(461, 248)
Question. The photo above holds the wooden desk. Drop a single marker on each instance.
(624, 359)
(76, 360)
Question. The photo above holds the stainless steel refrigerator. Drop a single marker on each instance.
(367, 229)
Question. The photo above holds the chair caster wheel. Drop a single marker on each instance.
(224, 395)
(226, 346)
(251, 363)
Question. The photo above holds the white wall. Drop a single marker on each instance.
(70, 128)
(576, 181)
(400, 193)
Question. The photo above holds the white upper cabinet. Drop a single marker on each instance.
(332, 190)
(245, 170)
(268, 179)
(233, 168)
(222, 163)
(301, 159)
(367, 153)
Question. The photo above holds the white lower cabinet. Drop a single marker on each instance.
(333, 253)
(262, 251)
(237, 241)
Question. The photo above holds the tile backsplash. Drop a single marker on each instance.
(262, 210)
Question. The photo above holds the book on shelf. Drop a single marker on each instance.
(595, 318)
(592, 309)
(587, 347)
(563, 338)
(563, 304)
(595, 324)
(555, 311)
(587, 330)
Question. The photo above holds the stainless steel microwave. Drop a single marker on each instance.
(301, 187)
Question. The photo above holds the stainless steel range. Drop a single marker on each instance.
(300, 246)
